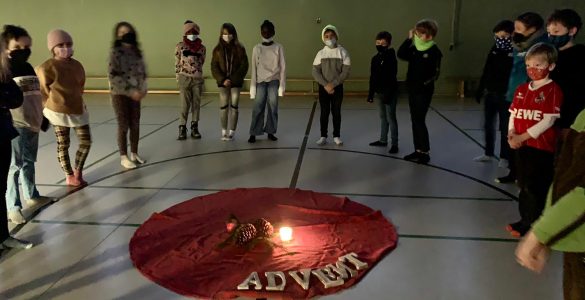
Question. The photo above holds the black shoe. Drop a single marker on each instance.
(393, 149)
(252, 139)
(412, 156)
(272, 137)
(195, 131)
(182, 133)
(506, 179)
(378, 144)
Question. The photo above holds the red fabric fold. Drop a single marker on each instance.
(177, 247)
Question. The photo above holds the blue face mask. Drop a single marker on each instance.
(559, 40)
(504, 43)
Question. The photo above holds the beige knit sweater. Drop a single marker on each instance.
(62, 83)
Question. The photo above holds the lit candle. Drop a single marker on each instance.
(285, 234)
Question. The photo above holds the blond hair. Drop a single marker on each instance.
(545, 50)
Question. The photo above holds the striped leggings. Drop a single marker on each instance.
(63, 143)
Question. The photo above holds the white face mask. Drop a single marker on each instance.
(64, 52)
(227, 37)
(266, 40)
(330, 43)
(192, 37)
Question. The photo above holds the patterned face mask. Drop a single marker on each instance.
(536, 73)
(504, 43)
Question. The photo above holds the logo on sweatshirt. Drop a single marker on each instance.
(527, 114)
(520, 95)
(540, 98)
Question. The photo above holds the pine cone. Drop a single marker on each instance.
(246, 233)
(264, 228)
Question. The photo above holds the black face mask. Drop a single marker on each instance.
(518, 37)
(20, 55)
(129, 38)
(381, 48)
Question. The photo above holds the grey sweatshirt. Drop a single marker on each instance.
(331, 65)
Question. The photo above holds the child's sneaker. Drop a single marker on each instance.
(322, 141)
(137, 159)
(231, 135)
(224, 135)
(11, 242)
(15, 216)
(338, 141)
(127, 163)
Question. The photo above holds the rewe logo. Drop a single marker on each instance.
(527, 114)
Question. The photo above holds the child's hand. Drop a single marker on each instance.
(531, 253)
(411, 33)
(136, 96)
(330, 88)
(227, 83)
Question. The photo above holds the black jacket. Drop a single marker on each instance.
(568, 74)
(496, 72)
(10, 97)
(423, 66)
(383, 70)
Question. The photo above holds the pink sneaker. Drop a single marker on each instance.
(79, 175)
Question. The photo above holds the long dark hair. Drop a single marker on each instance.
(231, 29)
(4, 65)
(118, 42)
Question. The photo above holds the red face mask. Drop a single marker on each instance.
(536, 73)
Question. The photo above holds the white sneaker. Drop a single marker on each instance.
(231, 135)
(322, 141)
(15, 216)
(483, 158)
(503, 163)
(338, 141)
(137, 159)
(127, 163)
(224, 135)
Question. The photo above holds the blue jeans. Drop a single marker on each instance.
(22, 166)
(265, 92)
(388, 118)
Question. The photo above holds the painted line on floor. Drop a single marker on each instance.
(457, 127)
(457, 238)
(422, 197)
(508, 194)
(408, 236)
(115, 152)
(297, 171)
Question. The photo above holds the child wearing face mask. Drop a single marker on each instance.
(494, 82)
(562, 26)
(535, 108)
(384, 89)
(229, 65)
(189, 60)
(127, 75)
(528, 30)
(424, 64)
(330, 69)
(27, 120)
(62, 80)
(267, 83)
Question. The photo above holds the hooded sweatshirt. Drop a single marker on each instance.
(331, 65)
(562, 224)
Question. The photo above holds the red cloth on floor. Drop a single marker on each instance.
(177, 247)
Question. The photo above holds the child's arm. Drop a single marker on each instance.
(46, 79)
(404, 51)
(243, 69)
(282, 77)
(317, 72)
(216, 71)
(437, 68)
(178, 55)
(202, 56)
(10, 95)
(253, 73)
(561, 219)
(345, 68)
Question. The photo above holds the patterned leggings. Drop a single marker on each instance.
(63, 143)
